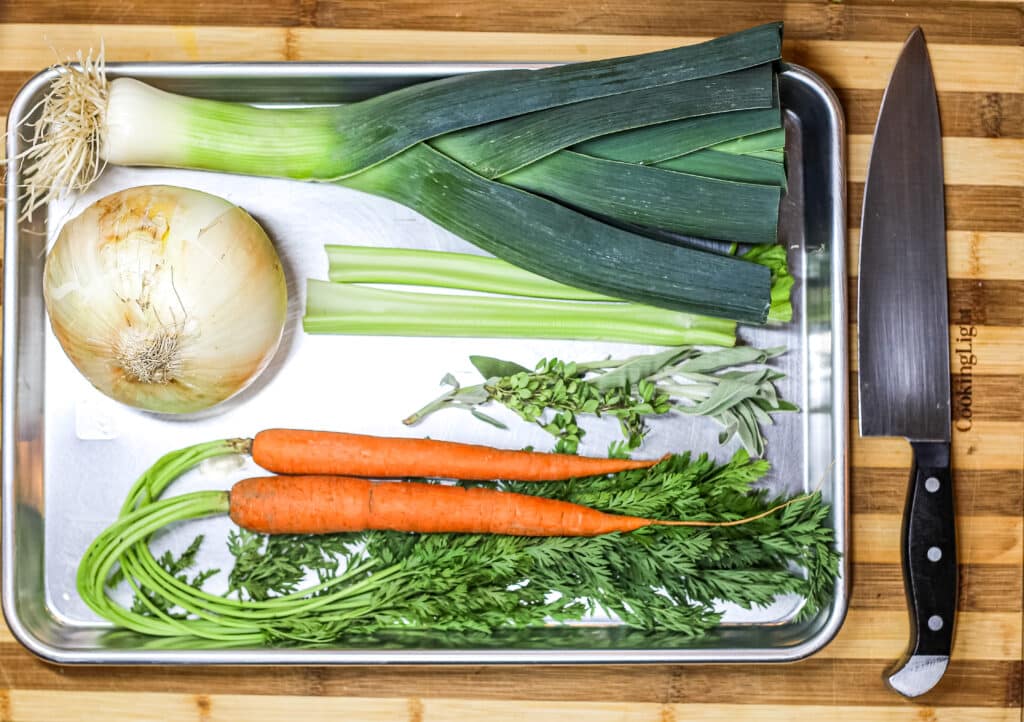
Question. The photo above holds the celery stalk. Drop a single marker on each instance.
(341, 308)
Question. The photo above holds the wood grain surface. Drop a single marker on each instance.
(978, 55)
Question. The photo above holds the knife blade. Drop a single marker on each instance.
(903, 339)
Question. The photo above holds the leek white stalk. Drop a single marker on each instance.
(166, 299)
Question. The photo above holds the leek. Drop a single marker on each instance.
(729, 166)
(495, 149)
(378, 145)
(341, 308)
(769, 140)
(714, 208)
(655, 143)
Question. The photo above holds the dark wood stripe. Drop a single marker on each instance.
(837, 681)
(978, 24)
(141, 12)
(10, 84)
(981, 115)
(991, 302)
(952, 23)
(992, 398)
(983, 588)
(968, 208)
(978, 492)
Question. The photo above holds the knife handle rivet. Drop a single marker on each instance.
(931, 484)
(935, 622)
(934, 554)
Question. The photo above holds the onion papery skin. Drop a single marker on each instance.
(166, 299)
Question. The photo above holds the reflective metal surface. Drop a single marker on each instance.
(69, 454)
(902, 318)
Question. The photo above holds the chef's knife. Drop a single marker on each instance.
(903, 336)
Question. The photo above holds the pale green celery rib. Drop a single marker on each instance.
(494, 149)
(445, 269)
(728, 166)
(768, 140)
(340, 308)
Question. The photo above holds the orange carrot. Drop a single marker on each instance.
(331, 504)
(288, 451)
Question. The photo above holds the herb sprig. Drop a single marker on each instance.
(732, 386)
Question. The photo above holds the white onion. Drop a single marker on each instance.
(166, 299)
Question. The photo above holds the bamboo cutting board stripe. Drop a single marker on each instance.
(969, 23)
(981, 539)
(961, 114)
(839, 682)
(983, 588)
(996, 348)
(991, 256)
(995, 300)
(978, 54)
(850, 64)
(966, 161)
(980, 492)
(968, 208)
(988, 445)
(34, 707)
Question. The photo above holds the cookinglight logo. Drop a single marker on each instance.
(965, 334)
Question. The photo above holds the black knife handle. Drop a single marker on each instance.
(930, 573)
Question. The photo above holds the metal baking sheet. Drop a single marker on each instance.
(70, 454)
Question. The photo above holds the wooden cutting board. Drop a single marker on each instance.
(978, 57)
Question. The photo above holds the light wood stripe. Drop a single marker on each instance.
(981, 539)
(966, 161)
(969, 254)
(998, 350)
(882, 634)
(38, 706)
(988, 445)
(848, 64)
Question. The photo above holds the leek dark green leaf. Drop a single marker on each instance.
(774, 155)
(728, 166)
(665, 199)
(655, 143)
(767, 140)
(378, 128)
(495, 149)
(556, 242)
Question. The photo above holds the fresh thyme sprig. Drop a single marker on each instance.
(732, 386)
